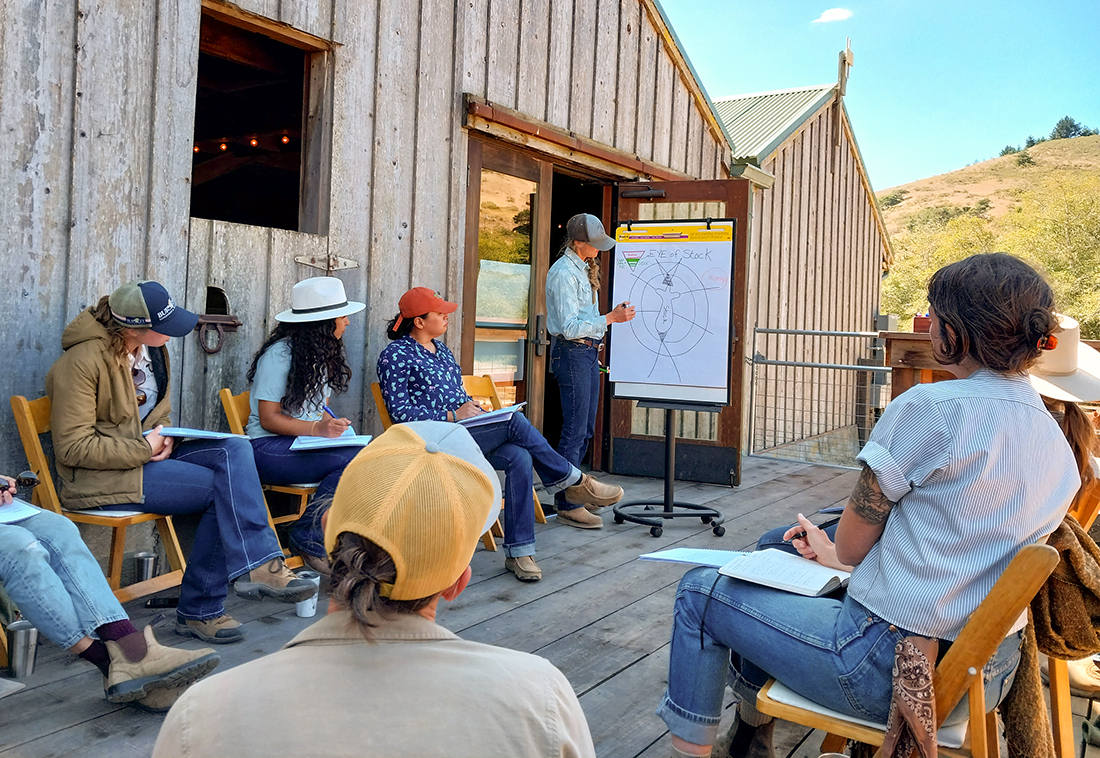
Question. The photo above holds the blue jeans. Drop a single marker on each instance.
(515, 447)
(832, 651)
(217, 479)
(53, 578)
(278, 464)
(577, 370)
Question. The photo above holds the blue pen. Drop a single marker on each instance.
(329, 411)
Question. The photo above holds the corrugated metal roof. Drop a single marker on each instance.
(757, 124)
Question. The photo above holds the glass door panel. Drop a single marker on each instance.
(504, 282)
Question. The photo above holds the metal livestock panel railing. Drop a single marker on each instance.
(815, 395)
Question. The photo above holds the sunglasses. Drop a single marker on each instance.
(27, 480)
(139, 379)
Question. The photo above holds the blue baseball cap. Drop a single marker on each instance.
(147, 305)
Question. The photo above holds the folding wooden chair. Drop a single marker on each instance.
(958, 672)
(495, 530)
(33, 419)
(1084, 509)
(236, 413)
(483, 386)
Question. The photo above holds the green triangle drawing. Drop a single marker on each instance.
(632, 257)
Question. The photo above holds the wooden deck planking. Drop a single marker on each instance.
(599, 614)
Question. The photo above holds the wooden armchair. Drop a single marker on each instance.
(236, 413)
(960, 670)
(32, 417)
(495, 530)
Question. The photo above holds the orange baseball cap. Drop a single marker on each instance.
(421, 300)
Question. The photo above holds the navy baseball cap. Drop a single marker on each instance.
(147, 305)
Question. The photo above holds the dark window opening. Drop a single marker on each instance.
(247, 159)
(217, 304)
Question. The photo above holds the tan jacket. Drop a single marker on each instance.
(94, 419)
(418, 690)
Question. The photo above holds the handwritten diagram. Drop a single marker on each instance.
(679, 285)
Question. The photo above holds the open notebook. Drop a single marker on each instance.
(783, 571)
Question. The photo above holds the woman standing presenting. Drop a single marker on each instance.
(577, 327)
(109, 395)
(299, 366)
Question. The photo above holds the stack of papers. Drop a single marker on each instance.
(19, 510)
(194, 434)
(347, 439)
(492, 417)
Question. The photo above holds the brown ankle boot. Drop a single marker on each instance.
(276, 581)
(161, 668)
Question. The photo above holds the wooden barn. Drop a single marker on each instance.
(231, 149)
(819, 249)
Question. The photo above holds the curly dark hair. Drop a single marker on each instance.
(359, 566)
(396, 331)
(317, 358)
(998, 308)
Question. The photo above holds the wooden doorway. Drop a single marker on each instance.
(504, 283)
(708, 447)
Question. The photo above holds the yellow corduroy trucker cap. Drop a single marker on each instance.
(425, 494)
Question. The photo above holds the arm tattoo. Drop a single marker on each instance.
(868, 500)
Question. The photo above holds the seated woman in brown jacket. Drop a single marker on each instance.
(110, 398)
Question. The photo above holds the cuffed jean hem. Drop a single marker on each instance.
(519, 550)
(201, 617)
(78, 636)
(573, 478)
(557, 488)
(690, 727)
(257, 564)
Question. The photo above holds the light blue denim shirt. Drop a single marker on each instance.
(570, 312)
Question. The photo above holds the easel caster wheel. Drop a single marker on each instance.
(656, 531)
(619, 519)
(719, 531)
(705, 519)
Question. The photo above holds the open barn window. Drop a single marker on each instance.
(261, 119)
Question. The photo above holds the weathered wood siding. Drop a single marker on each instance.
(817, 260)
(97, 112)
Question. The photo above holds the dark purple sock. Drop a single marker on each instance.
(128, 638)
(96, 654)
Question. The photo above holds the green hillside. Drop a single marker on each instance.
(1042, 204)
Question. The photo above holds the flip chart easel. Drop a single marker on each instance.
(675, 354)
(642, 512)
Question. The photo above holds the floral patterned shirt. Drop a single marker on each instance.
(417, 384)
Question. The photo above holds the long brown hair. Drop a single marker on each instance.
(593, 267)
(358, 568)
(116, 339)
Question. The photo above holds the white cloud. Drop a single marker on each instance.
(834, 14)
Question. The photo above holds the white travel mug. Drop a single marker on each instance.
(308, 608)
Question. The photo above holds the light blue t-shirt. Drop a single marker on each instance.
(270, 384)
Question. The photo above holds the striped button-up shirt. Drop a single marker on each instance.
(570, 310)
(978, 469)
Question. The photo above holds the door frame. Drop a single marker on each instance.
(495, 156)
(696, 460)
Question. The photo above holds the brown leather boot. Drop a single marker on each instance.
(276, 581)
(161, 668)
(591, 491)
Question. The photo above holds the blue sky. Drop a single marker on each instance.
(935, 86)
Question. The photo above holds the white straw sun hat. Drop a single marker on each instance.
(1071, 371)
(318, 299)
